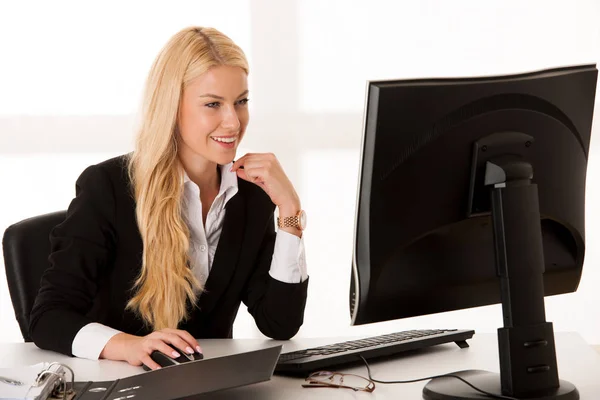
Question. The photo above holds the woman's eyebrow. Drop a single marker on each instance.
(214, 96)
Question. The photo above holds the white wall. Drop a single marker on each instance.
(71, 75)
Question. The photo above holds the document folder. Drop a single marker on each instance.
(187, 379)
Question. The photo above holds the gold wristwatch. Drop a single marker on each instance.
(297, 221)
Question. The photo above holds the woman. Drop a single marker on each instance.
(161, 246)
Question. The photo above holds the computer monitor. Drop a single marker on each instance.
(471, 192)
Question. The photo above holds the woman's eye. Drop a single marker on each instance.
(243, 102)
(213, 105)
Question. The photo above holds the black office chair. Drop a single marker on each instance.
(26, 247)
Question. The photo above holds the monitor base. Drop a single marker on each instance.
(449, 388)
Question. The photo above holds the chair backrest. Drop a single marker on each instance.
(26, 247)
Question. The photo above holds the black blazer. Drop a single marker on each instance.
(96, 257)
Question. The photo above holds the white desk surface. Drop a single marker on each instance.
(578, 363)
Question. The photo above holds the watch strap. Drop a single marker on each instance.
(289, 222)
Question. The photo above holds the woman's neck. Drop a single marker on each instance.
(202, 172)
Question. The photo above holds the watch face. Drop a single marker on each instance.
(302, 220)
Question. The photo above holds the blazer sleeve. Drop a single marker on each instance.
(277, 307)
(81, 248)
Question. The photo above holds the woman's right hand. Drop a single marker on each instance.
(136, 350)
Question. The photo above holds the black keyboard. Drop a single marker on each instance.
(337, 354)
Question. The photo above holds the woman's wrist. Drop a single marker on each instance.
(113, 350)
(290, 209)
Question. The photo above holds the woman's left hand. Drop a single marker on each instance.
(264, 170)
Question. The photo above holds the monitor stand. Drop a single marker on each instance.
(528, 368)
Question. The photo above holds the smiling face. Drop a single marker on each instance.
(213, 115)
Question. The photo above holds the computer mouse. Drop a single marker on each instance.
(165, 361)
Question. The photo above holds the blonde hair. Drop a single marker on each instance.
(166, 287)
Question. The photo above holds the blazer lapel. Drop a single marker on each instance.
(226, 256)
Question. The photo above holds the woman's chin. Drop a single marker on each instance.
(225, 159)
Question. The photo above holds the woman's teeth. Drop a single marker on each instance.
(224, 140)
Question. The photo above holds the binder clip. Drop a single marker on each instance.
(62, 390)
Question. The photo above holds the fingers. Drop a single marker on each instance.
(265, 171)
(167, 341)
(166, 349)
(242, 174)
(257, 168)
(240, 162)
(262, 164)
(254, 175)
(137, 350)
(180, 339)
(152, 344)
(256, 159)
(148, 362)
(175, 341)
(185, 335)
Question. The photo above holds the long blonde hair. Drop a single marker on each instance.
(166, 287)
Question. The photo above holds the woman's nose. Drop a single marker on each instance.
(231, 121)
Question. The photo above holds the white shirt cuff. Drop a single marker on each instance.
(289, 261)
(91, 339)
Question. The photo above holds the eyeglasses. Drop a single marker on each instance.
(339, 380)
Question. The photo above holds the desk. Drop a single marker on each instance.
(578, 362)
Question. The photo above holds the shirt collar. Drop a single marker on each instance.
(229, 182)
